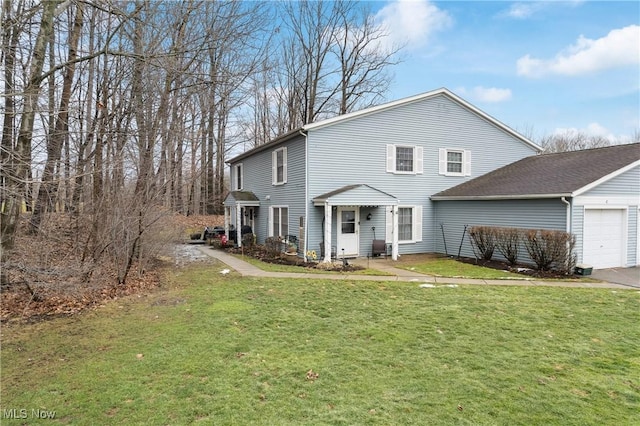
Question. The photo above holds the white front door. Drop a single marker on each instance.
(348, 224)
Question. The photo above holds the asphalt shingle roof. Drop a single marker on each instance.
(558, 174)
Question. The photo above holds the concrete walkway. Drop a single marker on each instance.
(396, 274)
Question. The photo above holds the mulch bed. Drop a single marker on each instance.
(520, 269)
(261, 253)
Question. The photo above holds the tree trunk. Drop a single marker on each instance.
(18, 169)
(45, 201)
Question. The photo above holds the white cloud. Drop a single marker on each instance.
(592, 130)
(486, 94)
(616, 49)
(412, 22)
(524, 10)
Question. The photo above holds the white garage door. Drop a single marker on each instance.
(604, 237)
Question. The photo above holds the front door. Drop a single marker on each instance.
(348, 240)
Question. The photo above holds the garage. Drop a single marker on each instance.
(604, 237)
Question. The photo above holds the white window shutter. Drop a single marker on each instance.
(388, 214)
(466, 158)
(391, 158)
(274, 167)
(284, 165)
(270, 232)
(419, 162)
(442, 161)
(417, 223)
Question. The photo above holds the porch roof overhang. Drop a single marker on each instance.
(355, 195)
(242, 198)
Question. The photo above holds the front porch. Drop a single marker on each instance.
(359, 211)
(240, 213)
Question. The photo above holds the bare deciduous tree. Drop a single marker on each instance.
(572, 141)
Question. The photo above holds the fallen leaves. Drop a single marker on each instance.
(311, 375)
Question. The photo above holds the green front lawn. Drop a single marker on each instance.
(445, 267)
(222, 349)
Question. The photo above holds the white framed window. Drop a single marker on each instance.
(405, 159)
(278, 221)
(405, 224)
(454, 162)
(409, 224)
(238, 178)
(279, 166)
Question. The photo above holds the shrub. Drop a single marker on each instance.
(567, 262)
(483, 241)
(273, 246)
(546, 248)
(508, 243)
(248, 240)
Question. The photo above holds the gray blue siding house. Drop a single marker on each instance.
(593, 194)
(336, 185)
(411, 174)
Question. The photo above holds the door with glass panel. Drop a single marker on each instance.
(348, 231)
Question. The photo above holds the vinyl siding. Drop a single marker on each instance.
(257, 179)
(452, 216)
(354, 152)
(634, 233)
(628, 183)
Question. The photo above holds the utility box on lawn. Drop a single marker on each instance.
(582, 269)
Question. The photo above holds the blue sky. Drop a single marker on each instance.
(539, 67)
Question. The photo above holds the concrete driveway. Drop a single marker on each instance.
(625, 276)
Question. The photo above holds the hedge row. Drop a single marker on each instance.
(548, 249)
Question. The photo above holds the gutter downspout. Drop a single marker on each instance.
(568, 226)
(305, 249)
(568, 203)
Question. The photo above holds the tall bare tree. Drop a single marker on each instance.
(60, 125)
(16, 169)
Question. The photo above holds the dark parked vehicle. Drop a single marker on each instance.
(209, 233)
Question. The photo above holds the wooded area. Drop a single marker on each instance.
(117, 113)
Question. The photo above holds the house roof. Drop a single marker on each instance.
(242, 197)
(565, 174)
(389, 105)
(356, 195)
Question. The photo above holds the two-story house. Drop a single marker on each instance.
(338, 184)
(415, 173)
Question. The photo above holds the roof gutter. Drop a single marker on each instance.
(280, 139)
(497, 197)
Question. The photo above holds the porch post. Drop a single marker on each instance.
(238, 222)
(394, 233)
(227, 212)
(327, 232)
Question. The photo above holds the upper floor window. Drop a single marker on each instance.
(279, 166)
(237, 177)
(404, 159)
(455, 162)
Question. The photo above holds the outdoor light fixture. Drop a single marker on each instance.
(369, 216)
